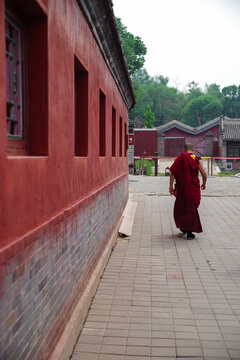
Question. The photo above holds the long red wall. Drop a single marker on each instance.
(35, 188)
(58, 211)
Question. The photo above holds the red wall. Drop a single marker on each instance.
(145, 142)
(197, 140)
(36, 188)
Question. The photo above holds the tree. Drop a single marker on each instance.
(202, 109)
(161, 80)
(141, 76)
(165, 102)
(193, 91)
(133, 47)
(214, 90)
(231, 101)
(149, 118)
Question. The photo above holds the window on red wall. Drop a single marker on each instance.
(113, 131)
(102, 124)
(125, 139)
(120, 135)
(26, 74)
(14, 33)
(81, 109)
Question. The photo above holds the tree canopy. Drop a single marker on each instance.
(133, 47)
(149, 118)
(193, 106)
(202, 109)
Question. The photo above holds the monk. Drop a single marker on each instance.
(184, 171)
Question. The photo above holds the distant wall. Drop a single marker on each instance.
(145, 142)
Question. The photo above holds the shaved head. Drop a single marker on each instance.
(188, 147)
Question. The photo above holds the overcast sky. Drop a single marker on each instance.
(187, 39)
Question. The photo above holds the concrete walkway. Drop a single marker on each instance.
(163, 297)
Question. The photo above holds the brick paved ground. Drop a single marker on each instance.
(163, 297)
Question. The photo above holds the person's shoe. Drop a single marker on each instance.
(183, 231)
(190, 235)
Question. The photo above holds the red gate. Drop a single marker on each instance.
(174, 146)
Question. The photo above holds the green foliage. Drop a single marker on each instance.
(214, 90)
(193, 91)
(202, 109)
(231, 101)
(165, 102)
(149, 118)
(148, 163)
(133, 47)
(227, 173)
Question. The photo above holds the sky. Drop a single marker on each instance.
(187, 40)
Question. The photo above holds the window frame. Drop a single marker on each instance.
(34, 23)
(18, 143)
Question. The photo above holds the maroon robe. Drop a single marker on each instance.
(187, 192)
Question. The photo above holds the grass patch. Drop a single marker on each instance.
(148, 163)
(227, 173)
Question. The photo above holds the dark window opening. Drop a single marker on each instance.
(113, 131)
(81, 109)
(125, 139)
(120, 136)
(102, 124)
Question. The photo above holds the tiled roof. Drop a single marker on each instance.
(189, 129)
(231, 129)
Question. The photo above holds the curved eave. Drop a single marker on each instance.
(100, 17)
(186, 128)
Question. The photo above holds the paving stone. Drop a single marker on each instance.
(189, 351)
(210, 336)
(217, 353)
(163, 342)
(110, 357)
(108, 340)
(87, 348)
(84, 356)
(233, 345)
(132, 357)
(185, 328)
(188, 343)
(163, 351)
(120, 325)
(139, 341)
(234, 354)
(88, 339)
(186, 335)
(208, 329)
(213, 344)
(139, 333)
(162, 335)
(113, 349)
(138, 350)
